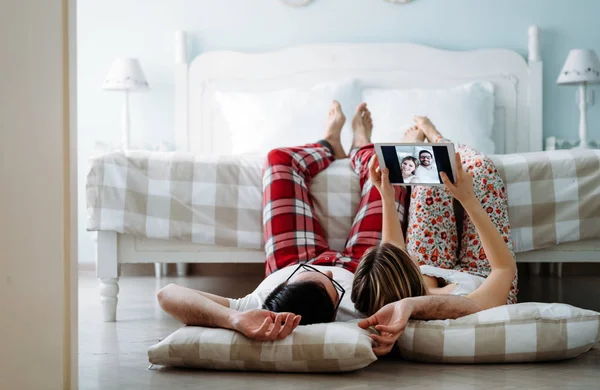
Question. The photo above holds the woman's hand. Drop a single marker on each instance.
(462, 188)
(264, 325)
(380, 179)
(390, 321)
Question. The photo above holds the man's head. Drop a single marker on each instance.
(385, 274)
(309, 293)
(426, 158)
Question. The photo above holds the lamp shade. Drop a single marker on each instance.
(125, 74)
(582, 66)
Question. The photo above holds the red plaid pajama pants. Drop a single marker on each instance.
(293, 234)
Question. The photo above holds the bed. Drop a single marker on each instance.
(200, 139)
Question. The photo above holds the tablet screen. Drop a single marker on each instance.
(417, 164)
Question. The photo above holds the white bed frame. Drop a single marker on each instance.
(518, 122)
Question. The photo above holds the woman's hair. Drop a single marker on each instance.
(414, 160)
(385, 274)
(307, 299)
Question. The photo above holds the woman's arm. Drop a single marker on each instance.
(494, 290)
(391, 229)
(496, 287)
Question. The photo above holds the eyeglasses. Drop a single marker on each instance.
(337, 286)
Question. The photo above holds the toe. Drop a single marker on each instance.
(361, 107)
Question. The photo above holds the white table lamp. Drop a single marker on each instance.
(581, 68)
(125, 75)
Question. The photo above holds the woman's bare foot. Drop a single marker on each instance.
(428, 128)
(335, 122)
(413, 135)
(362, 126)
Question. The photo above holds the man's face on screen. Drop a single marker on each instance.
(426, 159)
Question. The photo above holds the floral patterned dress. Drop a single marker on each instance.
(432, 236)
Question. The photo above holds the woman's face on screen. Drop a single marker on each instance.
(408, 167)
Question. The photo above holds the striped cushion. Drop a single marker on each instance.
(334, 347)
(524, 332)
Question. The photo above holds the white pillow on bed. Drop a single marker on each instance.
(464, 114)
(259, 122)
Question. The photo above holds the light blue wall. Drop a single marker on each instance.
(144, 29)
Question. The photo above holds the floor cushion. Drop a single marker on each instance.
(525, 332)
(333, 347)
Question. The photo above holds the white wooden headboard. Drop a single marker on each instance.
(518, 83)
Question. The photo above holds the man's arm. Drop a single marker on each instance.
(440, 307)
(391, 320)
(203, 309)
(193, 307)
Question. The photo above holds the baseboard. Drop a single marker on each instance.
(256, 270)
(197, 269)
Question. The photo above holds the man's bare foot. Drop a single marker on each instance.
(362, 126)
(335, 122)
(413, 135)
(428, 128)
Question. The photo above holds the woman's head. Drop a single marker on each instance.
(385, 274)
(409, 165)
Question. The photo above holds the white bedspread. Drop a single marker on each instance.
(554, 197)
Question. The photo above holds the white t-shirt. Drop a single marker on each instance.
(465, 282)
(424, 175)
(255, 299)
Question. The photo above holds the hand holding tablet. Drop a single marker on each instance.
(418, 163)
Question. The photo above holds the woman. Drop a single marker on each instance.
(409, 166)
(388, 273)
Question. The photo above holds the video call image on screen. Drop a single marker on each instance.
(417, 164)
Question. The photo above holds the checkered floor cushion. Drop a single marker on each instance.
(524, 332)
(333, 347)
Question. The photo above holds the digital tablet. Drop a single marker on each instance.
(417, 164)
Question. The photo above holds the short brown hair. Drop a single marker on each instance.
(385, 274)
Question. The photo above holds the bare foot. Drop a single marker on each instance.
(428, 128)
(335, 122)
(362, 126)
(413, 135)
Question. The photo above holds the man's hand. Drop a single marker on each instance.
(380, 179)
(264, 325)
(390, 321)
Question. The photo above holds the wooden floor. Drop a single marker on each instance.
(113, 355)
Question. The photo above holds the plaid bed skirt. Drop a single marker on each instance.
(554, 197)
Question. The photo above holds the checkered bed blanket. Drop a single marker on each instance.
(554, 197)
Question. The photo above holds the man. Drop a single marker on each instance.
(427, 171)
(308, 282)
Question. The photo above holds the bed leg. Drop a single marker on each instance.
(108, 270)
(161, 269)
(181, 269)
(535, 269)
(109, 289)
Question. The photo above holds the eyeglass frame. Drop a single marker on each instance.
(336, 284)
